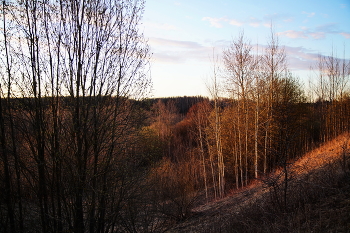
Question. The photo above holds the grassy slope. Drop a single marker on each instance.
(318, 198)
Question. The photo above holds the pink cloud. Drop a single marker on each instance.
(251, 21)
(174, 43)
(177, 51)
(345, 34)
(319, 32)
(293, 34)
(289, 20)
(317, 35)
(300, 58)
(236, 22)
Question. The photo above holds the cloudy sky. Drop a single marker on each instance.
(184, 35)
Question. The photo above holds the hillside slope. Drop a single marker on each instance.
(315, 197)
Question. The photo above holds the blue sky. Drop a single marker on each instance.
(184, 34)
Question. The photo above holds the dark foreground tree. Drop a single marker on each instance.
(68, 127)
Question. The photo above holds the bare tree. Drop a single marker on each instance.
(274, 68)
(164, 118)
(241, 67)
(199, 114)
(78, 65)
(215, 128)
(332, 84)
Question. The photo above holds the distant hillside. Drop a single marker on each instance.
(182, 103)
(317, 194)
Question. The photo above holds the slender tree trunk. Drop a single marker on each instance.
(240, 146)
(31, 10)
(235, 154)
(256, 138)
(213, 173)
(220, 163)
(7, 176)
(202, 156)
(246, 139)
(3, 135)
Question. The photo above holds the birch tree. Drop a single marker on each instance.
(215, 128)
(332, 84)
(241, 65)
(274, 68)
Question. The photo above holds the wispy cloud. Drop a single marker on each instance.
(309, 14)
(176, 51)
(288, 20)
(317, 35)
(328, 28)
(345, 34)
(235, 22)
(293, 34)
(331, 28)
(218, 22)
(300, 58)
(275, 17)
(304, 34)
(174, 43)
(215, 22)
(161, 26)
(164, 57)
(252, 21)
(319, 32)
(268, 25)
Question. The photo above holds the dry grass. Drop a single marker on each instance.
(327, 153)
(318, 198)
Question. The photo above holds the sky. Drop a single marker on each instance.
(187, 36)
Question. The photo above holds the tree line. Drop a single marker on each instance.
(82, 150)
